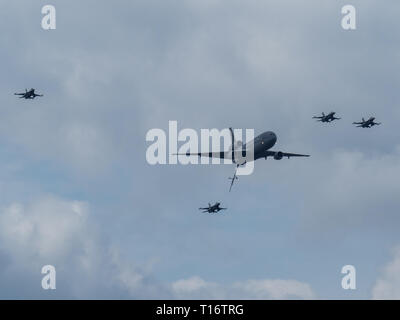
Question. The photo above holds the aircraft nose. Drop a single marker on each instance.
(273, 136)
(270, 138)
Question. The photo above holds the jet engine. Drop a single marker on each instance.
(278, 155)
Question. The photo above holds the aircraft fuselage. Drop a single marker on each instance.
(261, 144)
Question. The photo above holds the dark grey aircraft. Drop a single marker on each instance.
(367, 123)
(213, 209)
(259, 148)
(28, 94)
(327, 118)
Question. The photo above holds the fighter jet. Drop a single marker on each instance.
(28, 94)
(213, 209)
(326, 118)
(251, 151)
(367, 123)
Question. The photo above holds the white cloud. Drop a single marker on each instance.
(47, 228)
(59, 232)
(388, 284)
(275, 289)
(197, 288)
(54, 231)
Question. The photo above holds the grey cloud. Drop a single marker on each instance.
(111, 71)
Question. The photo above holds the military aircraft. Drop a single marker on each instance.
(251, 151)
(327, 118)
(213, 209)
(367, 123)
(28, 94)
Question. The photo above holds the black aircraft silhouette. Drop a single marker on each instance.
(28, 94)
(367, 123)
(213, 209)
(259, 148)
(326, 118)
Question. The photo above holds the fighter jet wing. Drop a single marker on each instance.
(285, 154)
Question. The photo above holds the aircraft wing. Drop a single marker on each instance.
(285, 154)
(221, 155)
(19, 94)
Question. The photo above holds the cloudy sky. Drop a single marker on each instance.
(77, 192)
